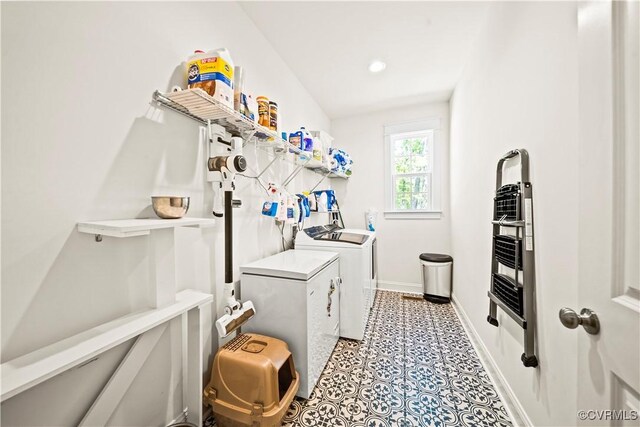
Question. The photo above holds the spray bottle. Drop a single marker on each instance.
(282, 208)
(297, 211)
(291, 218)
(317, 149)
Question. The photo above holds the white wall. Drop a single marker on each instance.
(519, 90)
(400, 241)
(80, 141)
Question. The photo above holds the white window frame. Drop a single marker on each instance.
(408, 128)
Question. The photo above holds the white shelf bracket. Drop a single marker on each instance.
(248, 135)
(162, 268)
(295, 172)
(320, 182)
(266, 168)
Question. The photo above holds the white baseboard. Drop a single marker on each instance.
(412, 288)
(512, 404)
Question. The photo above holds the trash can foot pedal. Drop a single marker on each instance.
(413, 297)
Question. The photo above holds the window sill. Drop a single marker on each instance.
(412, 214)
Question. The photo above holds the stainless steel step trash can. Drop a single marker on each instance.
(436, 277)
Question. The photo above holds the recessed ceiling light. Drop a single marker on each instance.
(377, 66)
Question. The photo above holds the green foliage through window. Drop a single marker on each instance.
(412, 171)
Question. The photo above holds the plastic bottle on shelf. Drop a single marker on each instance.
(263, 111)
(307, 140)
(273, 116)
(252, 106)
(212, 72)
(317, 149)
(291, 217)
(282, 208)
(295, 139)
(326, 157)
(296, 209)
(312, 201)
(238, 90)
(322, 201)
(240, 94)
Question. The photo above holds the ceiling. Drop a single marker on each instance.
(329, 46)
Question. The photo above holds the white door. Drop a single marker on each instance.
(609, 221)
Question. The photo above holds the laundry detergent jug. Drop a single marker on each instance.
(212, 72)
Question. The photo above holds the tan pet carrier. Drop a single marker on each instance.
(253, 382)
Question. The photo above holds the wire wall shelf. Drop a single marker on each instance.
(199, 106)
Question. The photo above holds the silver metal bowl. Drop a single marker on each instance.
(170, 207)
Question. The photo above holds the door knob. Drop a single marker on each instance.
(587, 318)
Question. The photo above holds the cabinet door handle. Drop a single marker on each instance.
(332, 288)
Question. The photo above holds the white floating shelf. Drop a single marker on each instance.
(27, 371)
(139, 227)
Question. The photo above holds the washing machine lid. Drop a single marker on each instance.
(292, 264)
(341, 236)
(371, 234)
(319, 230)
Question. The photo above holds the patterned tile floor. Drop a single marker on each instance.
(415, 367)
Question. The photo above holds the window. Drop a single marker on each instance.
(412, 170)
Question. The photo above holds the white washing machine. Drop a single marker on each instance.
(297, 299)
(358, 269)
